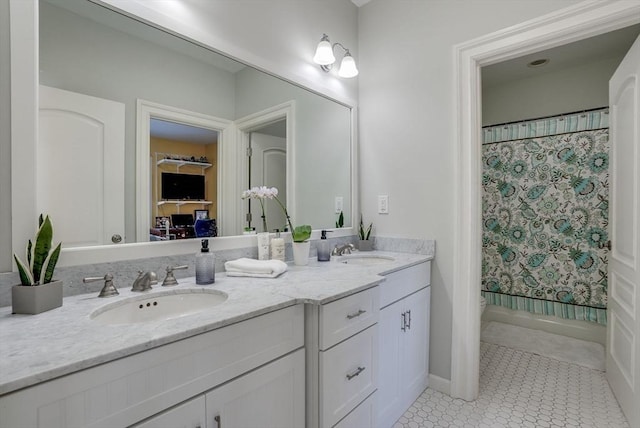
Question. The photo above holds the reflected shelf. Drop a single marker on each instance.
(179, 202)
(179, 163)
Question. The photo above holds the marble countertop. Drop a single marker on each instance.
(37, 348)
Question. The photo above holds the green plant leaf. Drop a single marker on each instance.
(41, 247)
(30, 255)
(363, 233)
(23, 270)
(301, 233)
(50, 265)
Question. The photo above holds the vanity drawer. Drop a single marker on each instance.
(404, 282)
(345, 317)
(348, 374)
(363, 416)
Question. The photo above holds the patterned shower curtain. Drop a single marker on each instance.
(545, 215)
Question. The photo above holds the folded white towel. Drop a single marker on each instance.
(255, 268)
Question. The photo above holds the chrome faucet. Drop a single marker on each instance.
(144, 281)
(343, 249)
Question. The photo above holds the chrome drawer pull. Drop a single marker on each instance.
(356, 373)
(403, 324)
(357, 314)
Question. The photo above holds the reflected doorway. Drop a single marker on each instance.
(267, 166)
(184, 180)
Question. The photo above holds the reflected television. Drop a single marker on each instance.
(177, 186)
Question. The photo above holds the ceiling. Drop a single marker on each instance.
(194, 135)
(179, 132)
(604, 46)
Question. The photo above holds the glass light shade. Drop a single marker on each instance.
(324, 53)
(348, 67)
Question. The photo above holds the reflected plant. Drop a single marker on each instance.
(299, 233)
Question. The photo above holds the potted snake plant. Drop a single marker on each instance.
(38, 291)
(364, 233)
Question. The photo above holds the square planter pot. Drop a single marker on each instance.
(365, 245)
(36, 299)
(301, 253)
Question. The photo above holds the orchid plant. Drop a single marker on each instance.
(261, 193)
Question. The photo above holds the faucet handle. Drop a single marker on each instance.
(108, 289)
(153, 278)
(170, 279)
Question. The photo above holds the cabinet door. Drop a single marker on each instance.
(403, 354)
(415, 353)
(271, 396)
(189, 414)
(391, 326)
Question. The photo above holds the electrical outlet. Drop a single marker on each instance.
(383, 204)
(339, 204)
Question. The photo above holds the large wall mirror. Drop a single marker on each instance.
(188, 131)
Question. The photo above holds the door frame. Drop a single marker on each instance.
(586, 19)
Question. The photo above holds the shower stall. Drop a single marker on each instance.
(545, 187)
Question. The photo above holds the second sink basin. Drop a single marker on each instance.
(365, 259)
(158, 306)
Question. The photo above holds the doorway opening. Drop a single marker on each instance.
(266, 154)
(267, 165)
(165, 124)
(565, 26)
(545, 122)
(184, 193)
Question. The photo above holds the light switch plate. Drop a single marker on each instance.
(339, 204)
(383, 204)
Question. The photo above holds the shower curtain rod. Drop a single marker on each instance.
(546, 117)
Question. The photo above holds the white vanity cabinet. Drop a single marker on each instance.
(252, 369)
(404, 341)
(342, 359)
(271, 396)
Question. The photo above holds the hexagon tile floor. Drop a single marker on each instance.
(522, 389)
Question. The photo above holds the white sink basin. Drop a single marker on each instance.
(159, 306)
(365, 259)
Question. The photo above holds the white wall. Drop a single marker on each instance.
(5, 139)
(406, 125)
(572, 89)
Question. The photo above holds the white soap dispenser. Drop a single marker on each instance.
(205, 265)
(277, 247)
(324, 252)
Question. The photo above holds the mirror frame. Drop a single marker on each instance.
(24, 133)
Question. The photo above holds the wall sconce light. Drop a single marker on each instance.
(325, 58)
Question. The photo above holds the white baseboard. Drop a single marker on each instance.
(439, 384)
